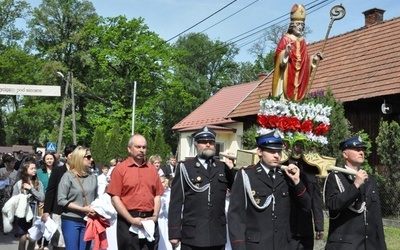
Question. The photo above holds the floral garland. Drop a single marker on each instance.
(295, 121)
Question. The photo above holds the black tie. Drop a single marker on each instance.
(208, 164)
(271, 175)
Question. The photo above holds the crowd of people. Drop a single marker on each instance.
(65, 189)
(200, 203)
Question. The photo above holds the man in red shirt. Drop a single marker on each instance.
(136, 192)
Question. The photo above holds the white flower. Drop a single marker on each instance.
(318, 113)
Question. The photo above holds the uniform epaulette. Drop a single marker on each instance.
(188, 160)
(249, 167)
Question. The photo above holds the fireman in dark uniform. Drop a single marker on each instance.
(354, 206)
(263, 201)
(196, 217)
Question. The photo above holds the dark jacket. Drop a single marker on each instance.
(307, 223)
(203, 222)
(167, 169)
(269, 228)
(349, 230)
(50, 201)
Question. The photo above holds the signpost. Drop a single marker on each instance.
(31, 90)
(39, 90)
(51, 147)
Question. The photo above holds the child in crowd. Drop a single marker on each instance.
(156, 161)
(30, 185)
(163, 215)
(102, 180)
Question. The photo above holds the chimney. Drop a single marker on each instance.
(373, 16)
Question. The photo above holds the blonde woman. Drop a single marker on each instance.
(76, 191)
(156, 161)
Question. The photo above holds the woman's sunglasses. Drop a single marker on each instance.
(89, 157)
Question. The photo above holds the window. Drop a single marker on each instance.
(219, 147)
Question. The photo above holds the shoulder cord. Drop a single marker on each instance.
(342, 189)
(185, 174)
(80, 184)
(247, 188)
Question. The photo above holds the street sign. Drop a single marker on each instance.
(31, 90)
(51, 147)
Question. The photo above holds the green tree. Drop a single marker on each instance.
(176, 104)
(205, 65)
(249, 138)
(150, 144)
(265, 64)
(161, 147)
(122, 52)
(114, 142)
(99, 146)
(55, 30)
(245, 72)
(2, 131)
(55, 35)
(17, 66)
(28, 124)
(10, 11)
(123, 152)
(22, 114)
(388, 150)
(339, 125)
(202, 68)
(156, 144)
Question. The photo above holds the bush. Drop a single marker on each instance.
(388, 149)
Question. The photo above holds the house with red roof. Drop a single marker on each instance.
(360, 67)
(215, 115)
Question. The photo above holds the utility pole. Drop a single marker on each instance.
(60, 133)
(70, 79)
(133, 108)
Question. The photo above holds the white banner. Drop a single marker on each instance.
(32, 90)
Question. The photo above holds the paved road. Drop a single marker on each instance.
(8, 242)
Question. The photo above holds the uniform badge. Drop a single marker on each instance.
(198, 178)
(257, 201)
(253, 192)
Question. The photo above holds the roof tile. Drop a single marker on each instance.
(212, 111)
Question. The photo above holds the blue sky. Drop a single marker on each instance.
(170, 17)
